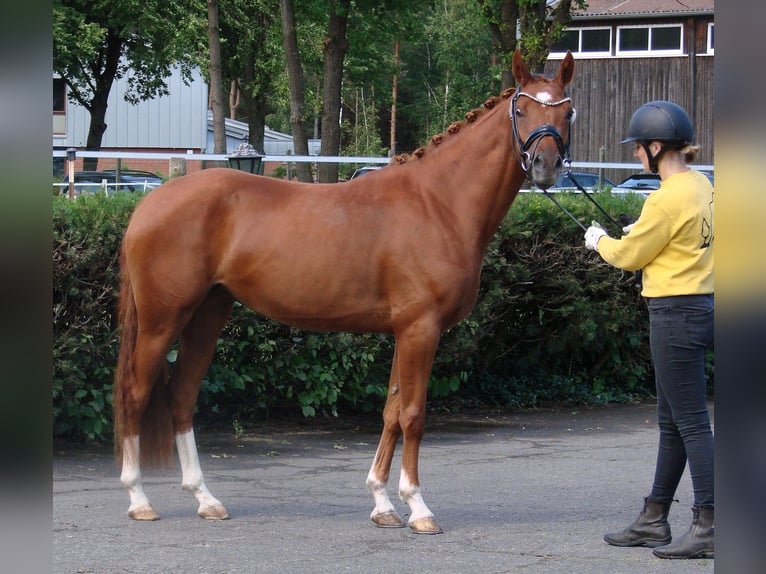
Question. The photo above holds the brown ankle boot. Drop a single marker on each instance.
(697, 542)
(650, 529)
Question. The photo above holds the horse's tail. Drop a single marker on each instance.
(156, 425)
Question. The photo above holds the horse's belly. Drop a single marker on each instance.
(306, 305)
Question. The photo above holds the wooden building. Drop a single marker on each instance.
(629, 52)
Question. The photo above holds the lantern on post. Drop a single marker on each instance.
(245, 158)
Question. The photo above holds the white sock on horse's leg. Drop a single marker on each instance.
(140, 507)
(193, 481)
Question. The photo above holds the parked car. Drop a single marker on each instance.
(141, 180)
(89, 182)
(638, 182)
(363, 170)
(588, 180)
(645, 183)
(92, 181)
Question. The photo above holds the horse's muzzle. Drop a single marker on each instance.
(544, 168)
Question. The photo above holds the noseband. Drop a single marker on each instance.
(537, 134)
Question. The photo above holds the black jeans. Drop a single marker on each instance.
(680, 331)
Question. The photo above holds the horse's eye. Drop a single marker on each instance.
(572, 116)
(519, 113)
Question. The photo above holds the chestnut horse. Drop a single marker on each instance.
(398, 251)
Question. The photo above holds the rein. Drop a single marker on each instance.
(590, 198)
(563, 148)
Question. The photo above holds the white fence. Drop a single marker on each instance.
(597, 167)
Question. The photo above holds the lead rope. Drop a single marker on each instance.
(550, 131)
(593, 201)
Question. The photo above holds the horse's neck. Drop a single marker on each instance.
(483, 175)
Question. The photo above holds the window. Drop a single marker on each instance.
(710, 35)
(655, 40)
(59, 106)
(584, 42)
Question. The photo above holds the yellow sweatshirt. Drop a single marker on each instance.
(672, 240)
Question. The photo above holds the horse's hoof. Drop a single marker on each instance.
(390, 519)
(425, 525)
(145, 513)
(217, 512)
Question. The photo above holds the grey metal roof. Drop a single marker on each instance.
(274, 142)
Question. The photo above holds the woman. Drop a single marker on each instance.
(672, 242)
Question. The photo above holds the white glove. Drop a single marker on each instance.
(627, 228)
(592, 235)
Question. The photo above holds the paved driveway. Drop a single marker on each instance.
(526, 493)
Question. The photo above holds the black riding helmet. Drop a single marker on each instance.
(661, 121)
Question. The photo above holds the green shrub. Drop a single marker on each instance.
(86, 238)
(553, 323)
(261, 365)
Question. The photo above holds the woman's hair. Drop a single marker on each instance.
(690, 152)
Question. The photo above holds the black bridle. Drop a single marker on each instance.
(538, 133)
(534, 138)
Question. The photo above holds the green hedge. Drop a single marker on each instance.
(86, 238)
(552, 324)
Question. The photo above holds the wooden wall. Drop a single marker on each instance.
(607, 91)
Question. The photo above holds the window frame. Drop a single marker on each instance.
(710, 38)
(59, 115)
(579, 53)
(648, 51)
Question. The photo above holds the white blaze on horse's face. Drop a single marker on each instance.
(544, 96)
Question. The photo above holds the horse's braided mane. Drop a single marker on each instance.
(454, 127)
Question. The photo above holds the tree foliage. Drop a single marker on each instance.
(448, 69)
(96, 42)
(532, 25)
(253, 61)
(453, 53)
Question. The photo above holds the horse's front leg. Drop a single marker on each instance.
(417, 347)
(384, 515)
(421, 520)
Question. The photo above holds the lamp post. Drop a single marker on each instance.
(245, 158)
(71, 155)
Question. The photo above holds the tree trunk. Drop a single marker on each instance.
(235, 97)
(534, 28)
(96, 128)
(254, 87)
(216, 78)
(98, 104)
(297, 90)
(335, 46)
(254, 106)
(502, 25)
(394, 97)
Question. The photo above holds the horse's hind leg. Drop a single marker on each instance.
(148, 369)
(198, 342)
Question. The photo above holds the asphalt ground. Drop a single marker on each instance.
(527, 492)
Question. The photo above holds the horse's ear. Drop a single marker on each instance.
(566, 71)
(520, 69)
